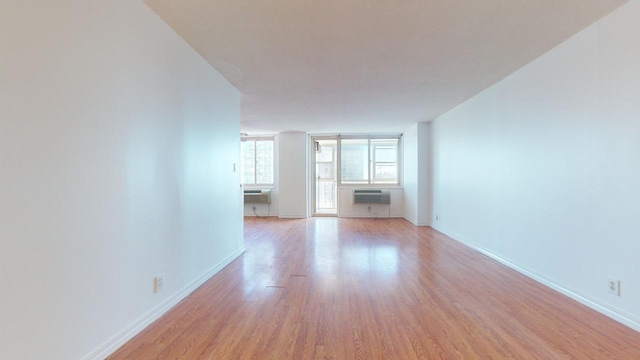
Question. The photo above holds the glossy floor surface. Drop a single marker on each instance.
(328, 288)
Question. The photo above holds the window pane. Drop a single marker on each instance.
(354, 159)
(325, 154)
(247, 162)
(386, 174)
(326, 195)
(384, 154)
(325, 171)
(264, 162)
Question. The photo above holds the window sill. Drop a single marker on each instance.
(370, 186)
(256, 187)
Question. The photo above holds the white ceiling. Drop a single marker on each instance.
(328, 66)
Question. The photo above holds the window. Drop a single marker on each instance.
(256, 161)
(354, 161)
(369, 160)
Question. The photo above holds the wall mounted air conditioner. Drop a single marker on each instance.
(257, 196)
(371, 196)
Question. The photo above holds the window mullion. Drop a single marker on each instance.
(255, 162)
(370, 161)
(339, 160)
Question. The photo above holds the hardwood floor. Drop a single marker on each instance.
(328, 288)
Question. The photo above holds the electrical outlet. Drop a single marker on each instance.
(437, 217)
(613, 286)
(158, 283)
(369, 209)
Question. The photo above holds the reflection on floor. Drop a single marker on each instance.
(333, 288)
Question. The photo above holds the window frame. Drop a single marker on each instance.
(370, 181)
(373, 162)
(255, 139)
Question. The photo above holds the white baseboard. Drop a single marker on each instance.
(119, 339)
(613, 314)
(291, 217)
(371, 217)
(416, 222)
(411, 220)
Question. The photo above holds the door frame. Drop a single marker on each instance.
(312, 172)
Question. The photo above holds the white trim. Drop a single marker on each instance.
(413, 221)
(416, 222)
(126, 334)
(611, 313)
(382, 216)
(312, 179)
(292, 217)
(370, 186)
(256, 137)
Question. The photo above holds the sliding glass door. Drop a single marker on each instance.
(325, 179)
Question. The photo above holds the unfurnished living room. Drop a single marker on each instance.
(298, 179)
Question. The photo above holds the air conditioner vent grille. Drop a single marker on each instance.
(252, 196)
(371, 196)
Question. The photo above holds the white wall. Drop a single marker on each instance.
(293, 178)
(417, 173)
(410, 173)
(542, 170)
(117, 144)
(425, 164)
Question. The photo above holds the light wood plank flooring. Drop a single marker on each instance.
(328, 288)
